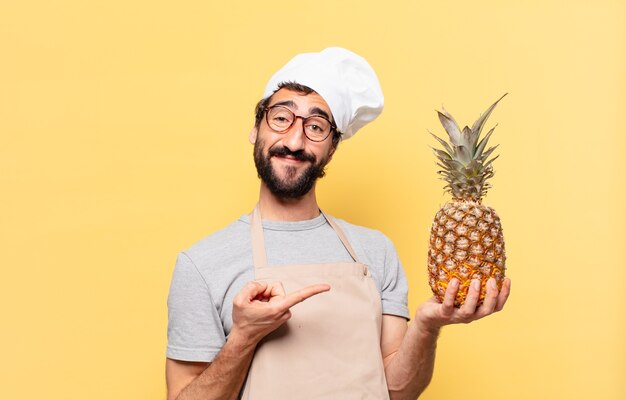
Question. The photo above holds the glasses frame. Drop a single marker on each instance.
(333, 127)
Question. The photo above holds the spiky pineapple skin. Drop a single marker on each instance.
(466, 242)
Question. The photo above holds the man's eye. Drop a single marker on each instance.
(281, 119)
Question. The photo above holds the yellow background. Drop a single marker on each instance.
(123, 129)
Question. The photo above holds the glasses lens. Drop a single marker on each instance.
(279, 118)
(316, 128)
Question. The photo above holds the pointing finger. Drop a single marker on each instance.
(299, 296)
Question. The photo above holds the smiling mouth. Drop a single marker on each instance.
(289, 159)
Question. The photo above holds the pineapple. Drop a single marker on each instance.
(466, 240)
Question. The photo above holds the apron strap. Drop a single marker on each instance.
(342, 236)
(259, 256)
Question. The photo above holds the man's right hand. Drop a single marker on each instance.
(260, 307)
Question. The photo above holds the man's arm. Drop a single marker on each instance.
(409, 353)
(258, 309)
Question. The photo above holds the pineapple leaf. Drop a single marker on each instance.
(486, 154)
(478, 125)
(445, 168)
(466, 135)
(488, 164)
(464, 154)
(455, 165)
(447, 114)
(451, 128)
(442, 155)
(483, 143)
(443, 143)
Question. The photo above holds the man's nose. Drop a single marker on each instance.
(295, 138)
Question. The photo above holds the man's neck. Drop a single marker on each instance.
(279, 209)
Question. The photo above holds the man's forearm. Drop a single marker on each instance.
(224, 377)
(411, 368)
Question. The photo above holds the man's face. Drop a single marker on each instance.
(289, 163)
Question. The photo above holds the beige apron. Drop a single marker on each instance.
(330, 348)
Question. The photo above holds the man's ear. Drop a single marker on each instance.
(252, 136)
(330, 154)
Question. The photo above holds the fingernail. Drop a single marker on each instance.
(454, 283)
(476, 285)
(493, 283)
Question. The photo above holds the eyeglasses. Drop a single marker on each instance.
(316, 127)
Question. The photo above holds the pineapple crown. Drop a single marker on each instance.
(464, 160)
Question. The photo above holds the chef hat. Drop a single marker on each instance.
(345, 81)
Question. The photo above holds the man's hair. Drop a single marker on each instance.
(296, 87)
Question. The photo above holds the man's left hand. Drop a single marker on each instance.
(432, 315)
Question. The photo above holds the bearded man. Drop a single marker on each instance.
(288, 302)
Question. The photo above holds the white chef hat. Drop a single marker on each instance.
(344, 80)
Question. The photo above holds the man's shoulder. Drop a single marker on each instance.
(365, 235)
(223, 242)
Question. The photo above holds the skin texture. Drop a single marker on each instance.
(408, 350)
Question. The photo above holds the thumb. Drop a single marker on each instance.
(251, 290)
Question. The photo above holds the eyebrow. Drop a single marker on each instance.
(313, 110)
(319, 111)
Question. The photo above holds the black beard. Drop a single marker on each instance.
(291, 187)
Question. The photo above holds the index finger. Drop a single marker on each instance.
(300, 295)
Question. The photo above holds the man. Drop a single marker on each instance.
(288, 303)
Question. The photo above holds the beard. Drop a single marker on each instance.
(293, 186)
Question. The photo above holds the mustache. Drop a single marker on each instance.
(299, 155)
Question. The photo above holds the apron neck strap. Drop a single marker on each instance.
(259, 255)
